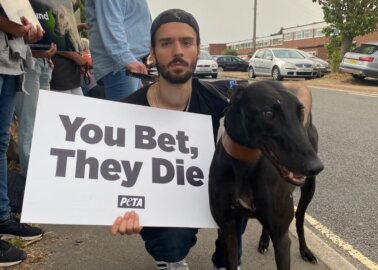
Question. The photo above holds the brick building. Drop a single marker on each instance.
(307, 37)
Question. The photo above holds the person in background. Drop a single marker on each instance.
(14, 56)
(175, 47)
(119, 39)
(26, 103)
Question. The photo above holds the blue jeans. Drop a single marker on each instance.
(26, 106)
(118, 85)
(8, 86)
(174, 244)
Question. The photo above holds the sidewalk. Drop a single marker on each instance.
(94, 248)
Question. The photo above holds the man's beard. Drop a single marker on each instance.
(173, 78)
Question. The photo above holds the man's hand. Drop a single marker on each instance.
(137, 67)
(128, 224)
(32, 34)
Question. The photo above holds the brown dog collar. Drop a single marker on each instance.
(239, 151)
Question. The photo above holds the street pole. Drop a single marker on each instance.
(254, 27)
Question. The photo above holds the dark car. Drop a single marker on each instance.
(231, 63)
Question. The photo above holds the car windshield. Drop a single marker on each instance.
(366, 48)
(205, 56)
(287, 54)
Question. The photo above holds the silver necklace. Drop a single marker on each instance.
(157, 103)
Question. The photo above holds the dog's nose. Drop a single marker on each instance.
(314, 167)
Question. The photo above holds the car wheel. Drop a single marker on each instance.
(358, 77)
(251, 72)
(214, 76)
(276, 74)
(220, 69)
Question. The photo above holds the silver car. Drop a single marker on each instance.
(280, 63)
(321, 66)
(362, 61)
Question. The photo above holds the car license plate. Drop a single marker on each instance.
(203, 69)
(352, 61)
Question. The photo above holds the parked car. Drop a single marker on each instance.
(231, 63)
(362, 61)
(320, 66)
(280, 63)
(206, 66)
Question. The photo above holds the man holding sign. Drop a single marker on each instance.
(175, 47)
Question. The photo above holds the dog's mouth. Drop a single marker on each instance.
(289, 176)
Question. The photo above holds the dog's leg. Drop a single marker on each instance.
(282, 251)
(229, 242)
(307, 192)
(264, 242)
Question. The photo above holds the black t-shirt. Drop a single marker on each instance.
(202, 101)
(65, 75)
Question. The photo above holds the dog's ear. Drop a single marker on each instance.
(236, 94)
(235, 115)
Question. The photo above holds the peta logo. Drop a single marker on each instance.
(125, 201)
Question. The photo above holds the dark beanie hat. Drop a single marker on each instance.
(174, 15)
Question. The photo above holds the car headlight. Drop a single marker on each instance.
(289, 65)
(319, 65)
(214, 65)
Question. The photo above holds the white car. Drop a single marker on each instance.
(206, 66)
(280, 63)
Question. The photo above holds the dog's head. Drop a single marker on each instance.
(267, 116)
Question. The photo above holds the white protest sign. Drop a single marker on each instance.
(92, 160)
(15, 9)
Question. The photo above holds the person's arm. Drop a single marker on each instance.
(128, 224)
(45, 54)
(82, 26)
(80, 61)
(113, 35)
(30, 33)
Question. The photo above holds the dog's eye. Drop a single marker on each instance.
(268, 115)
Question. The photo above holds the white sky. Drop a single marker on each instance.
(223, 21)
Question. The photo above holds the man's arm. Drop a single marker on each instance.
(113, 35)
(30, 33)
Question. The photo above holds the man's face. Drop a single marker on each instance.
(176, 52)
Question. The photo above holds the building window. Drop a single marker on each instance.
(319, 32)
(288, 36)
(298, 35)
(307, 33)
(277, 41)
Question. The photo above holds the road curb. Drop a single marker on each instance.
(330, 257)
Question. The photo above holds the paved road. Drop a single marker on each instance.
(346, 197)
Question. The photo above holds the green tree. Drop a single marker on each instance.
(229, 52)
(350, 18)
(334, 53)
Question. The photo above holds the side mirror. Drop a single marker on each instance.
(269, 57)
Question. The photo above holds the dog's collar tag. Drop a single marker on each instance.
(239, 151)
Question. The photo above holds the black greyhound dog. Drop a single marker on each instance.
(267, 148)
